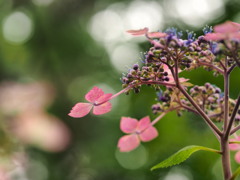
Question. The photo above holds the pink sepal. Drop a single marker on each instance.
(128, 125)
(214, 36)
(149, 134)
(128, 143)
(80, 110)
(156, 34)
(138, 32)
(234, 146)
(227, 27)
(102, 109)
(143, 124)
(94, 94)
(103, 98)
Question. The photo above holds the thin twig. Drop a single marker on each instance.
(212, 66)
(231, 68)
(215, 129)
(226, 99)
(235, 110)
(235, 130)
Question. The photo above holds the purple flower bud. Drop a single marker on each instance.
(198, 49)
(218, 90)
(166, 79)
(207, 85)
(135, 66)
(196, 88)
(165, 73)
(129, 75)
(191, 48)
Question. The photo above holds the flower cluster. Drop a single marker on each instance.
(170, 54)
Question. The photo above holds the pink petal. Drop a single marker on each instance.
(156, 44)
(227, 27)
(138, 32)
(149, 134)
(103, 98)
(236, 36)
(171, 79)
(102, 109)
(128, 125)
(156, 34)
(80, 110)
(143, 124)
(234, 146)
(94, 94)
(237, 157)
(128, 143)
(183, 80)
(215, 36)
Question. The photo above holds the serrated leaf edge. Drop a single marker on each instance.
(194, 149)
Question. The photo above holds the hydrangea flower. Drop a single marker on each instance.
(137, 131)
(225, 31)
(98, 101)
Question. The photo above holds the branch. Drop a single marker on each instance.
(233, 117)
(190, 109)
(226, 99)
(235, 130)
(212, 66)
(231, 68)
(209, 122)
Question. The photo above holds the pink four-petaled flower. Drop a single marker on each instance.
(235, 147)
(137, 131)
(97, 100)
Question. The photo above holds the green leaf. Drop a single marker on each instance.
(181, 156)
(235, 174)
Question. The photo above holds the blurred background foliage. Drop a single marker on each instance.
(54, 51)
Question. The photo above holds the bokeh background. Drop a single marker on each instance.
(52, 52)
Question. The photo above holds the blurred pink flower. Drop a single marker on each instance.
(98, 101)
(235, 147)
(20, 97)
(41, 130)
(226, 31)
(138, 131)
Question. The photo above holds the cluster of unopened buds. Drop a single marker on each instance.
(170, 54)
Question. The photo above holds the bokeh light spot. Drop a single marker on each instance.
(123, 56)
(142, 14)
(195, 12)
(17, 28)
(134, 159)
